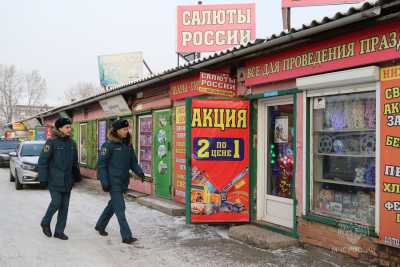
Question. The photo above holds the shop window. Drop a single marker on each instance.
(343, 157)
(102, 133)
(145, 143)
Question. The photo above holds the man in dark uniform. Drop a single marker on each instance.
(116, 158)
(59, 169)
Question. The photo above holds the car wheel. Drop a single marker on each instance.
(12, 179)
(18, 185)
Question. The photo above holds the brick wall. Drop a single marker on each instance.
(137, 185)
(88, 173)
(365, 248)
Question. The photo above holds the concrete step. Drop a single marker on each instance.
(135, 194)
(164, 205)
(260, 237)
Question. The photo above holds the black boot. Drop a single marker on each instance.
(129, 240)
(46, 230)
(61, 236)
(102, 232)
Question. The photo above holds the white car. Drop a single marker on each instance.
(24, 163)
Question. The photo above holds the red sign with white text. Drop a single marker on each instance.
(301, 3)
(217, 84)
(220, 161)
(372, 45)
(210, 28)
(204, 83)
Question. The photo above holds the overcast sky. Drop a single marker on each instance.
(62, 38)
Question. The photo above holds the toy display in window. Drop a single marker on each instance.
(349, 205)
(282, 170)
(286, 163)
(342, 113)
(161, 144)
(344, 157)
(281, 153)
(145, 156)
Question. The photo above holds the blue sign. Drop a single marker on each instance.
(210, 148)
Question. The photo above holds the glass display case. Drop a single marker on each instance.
(145, 143)
(343, 156)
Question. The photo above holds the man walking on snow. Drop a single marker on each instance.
(59, 169)
(116, 158)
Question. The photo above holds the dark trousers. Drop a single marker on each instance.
(59, 202)
(115, 205)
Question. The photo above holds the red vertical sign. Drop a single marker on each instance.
(389, 231)
(180, 156)
(220, 161)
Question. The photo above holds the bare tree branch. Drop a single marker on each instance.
(11, 90)
(79, 91)
(17, 88)
(35, 88)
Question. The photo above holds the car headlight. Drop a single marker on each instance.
(27, 167)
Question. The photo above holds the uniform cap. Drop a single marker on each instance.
(61, 122)
(119, 124)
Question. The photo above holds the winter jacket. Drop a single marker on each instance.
(58, 163)
(116, 158)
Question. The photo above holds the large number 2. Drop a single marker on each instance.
(203, 144)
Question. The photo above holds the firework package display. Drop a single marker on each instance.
(220, 161)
